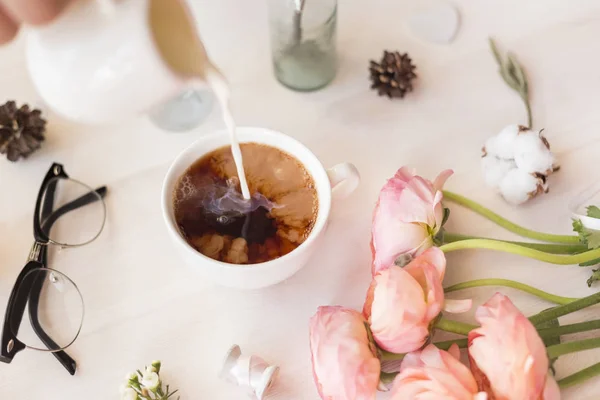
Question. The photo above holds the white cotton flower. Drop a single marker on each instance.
(495, 169)
(519, 186)
(150, 380)
(502, 144)
(532, 153)
(517, 161)
(128, 393)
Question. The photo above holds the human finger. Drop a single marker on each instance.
(35, 12)
(8, 26)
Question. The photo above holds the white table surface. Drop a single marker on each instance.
(142, 303)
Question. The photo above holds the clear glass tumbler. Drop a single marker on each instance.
(303, 42)
(185, 112)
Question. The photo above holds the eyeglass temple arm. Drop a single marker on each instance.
(34, 299)
(48, 221)
(49, 218)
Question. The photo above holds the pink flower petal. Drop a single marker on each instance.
(345, 365)
(457, 306)
(433, 374)
(441, 179)
(507, 352)
(402, 302)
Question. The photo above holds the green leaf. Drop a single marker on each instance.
(593, 239)
(595, 261)
(447, 215)
(513, 75)
(580, 230)
(495, 52)
(593, 211)
(518, 73)
(589, 237)
(510, 80)
(595, 277)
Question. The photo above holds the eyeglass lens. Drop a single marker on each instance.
(58, 305)
(78, 214)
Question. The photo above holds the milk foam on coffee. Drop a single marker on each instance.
(218, 222)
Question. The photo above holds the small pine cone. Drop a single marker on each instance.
(393, 75)
(21, 130)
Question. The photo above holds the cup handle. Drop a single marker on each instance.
(344, 179)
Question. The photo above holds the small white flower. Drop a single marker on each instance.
(150, 369)
(519, 186)
(150, 380)
(128, 394)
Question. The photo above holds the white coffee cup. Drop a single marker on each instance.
(334, 183)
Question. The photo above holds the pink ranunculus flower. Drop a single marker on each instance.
(402, 302)
(435, 374)
(508, 357)
(345, 362)
(408, 214)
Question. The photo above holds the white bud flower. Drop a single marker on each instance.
(150, 369)
(502, 144)
(128, 394)
(519, 186)
(495, 169)
(150, 380)
(132, 377)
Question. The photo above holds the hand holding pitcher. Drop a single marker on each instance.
(104, 61)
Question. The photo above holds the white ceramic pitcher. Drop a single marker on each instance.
(104, 61)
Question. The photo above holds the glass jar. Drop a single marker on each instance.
(303, 42)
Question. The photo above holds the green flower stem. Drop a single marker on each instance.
(528, 108)
(580, 376)
(572, 347)
(445, 345)
(386, 356)
(545, 247)
(568, 329)
(454, 326)
(559, 311)
(560, 259)
(506, 224)
(512, 284)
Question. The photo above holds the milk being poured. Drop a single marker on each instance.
(182, 49)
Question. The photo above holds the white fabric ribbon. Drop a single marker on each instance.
(251, 373)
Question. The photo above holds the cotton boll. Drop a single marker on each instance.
(519, 186)
(532, 153)
(502, 144)
(495, 169)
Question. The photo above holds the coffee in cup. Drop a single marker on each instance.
(217, 221)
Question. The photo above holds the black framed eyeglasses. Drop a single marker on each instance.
(67, 213)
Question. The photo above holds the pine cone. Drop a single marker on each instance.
(393, 75)
(21, 130)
